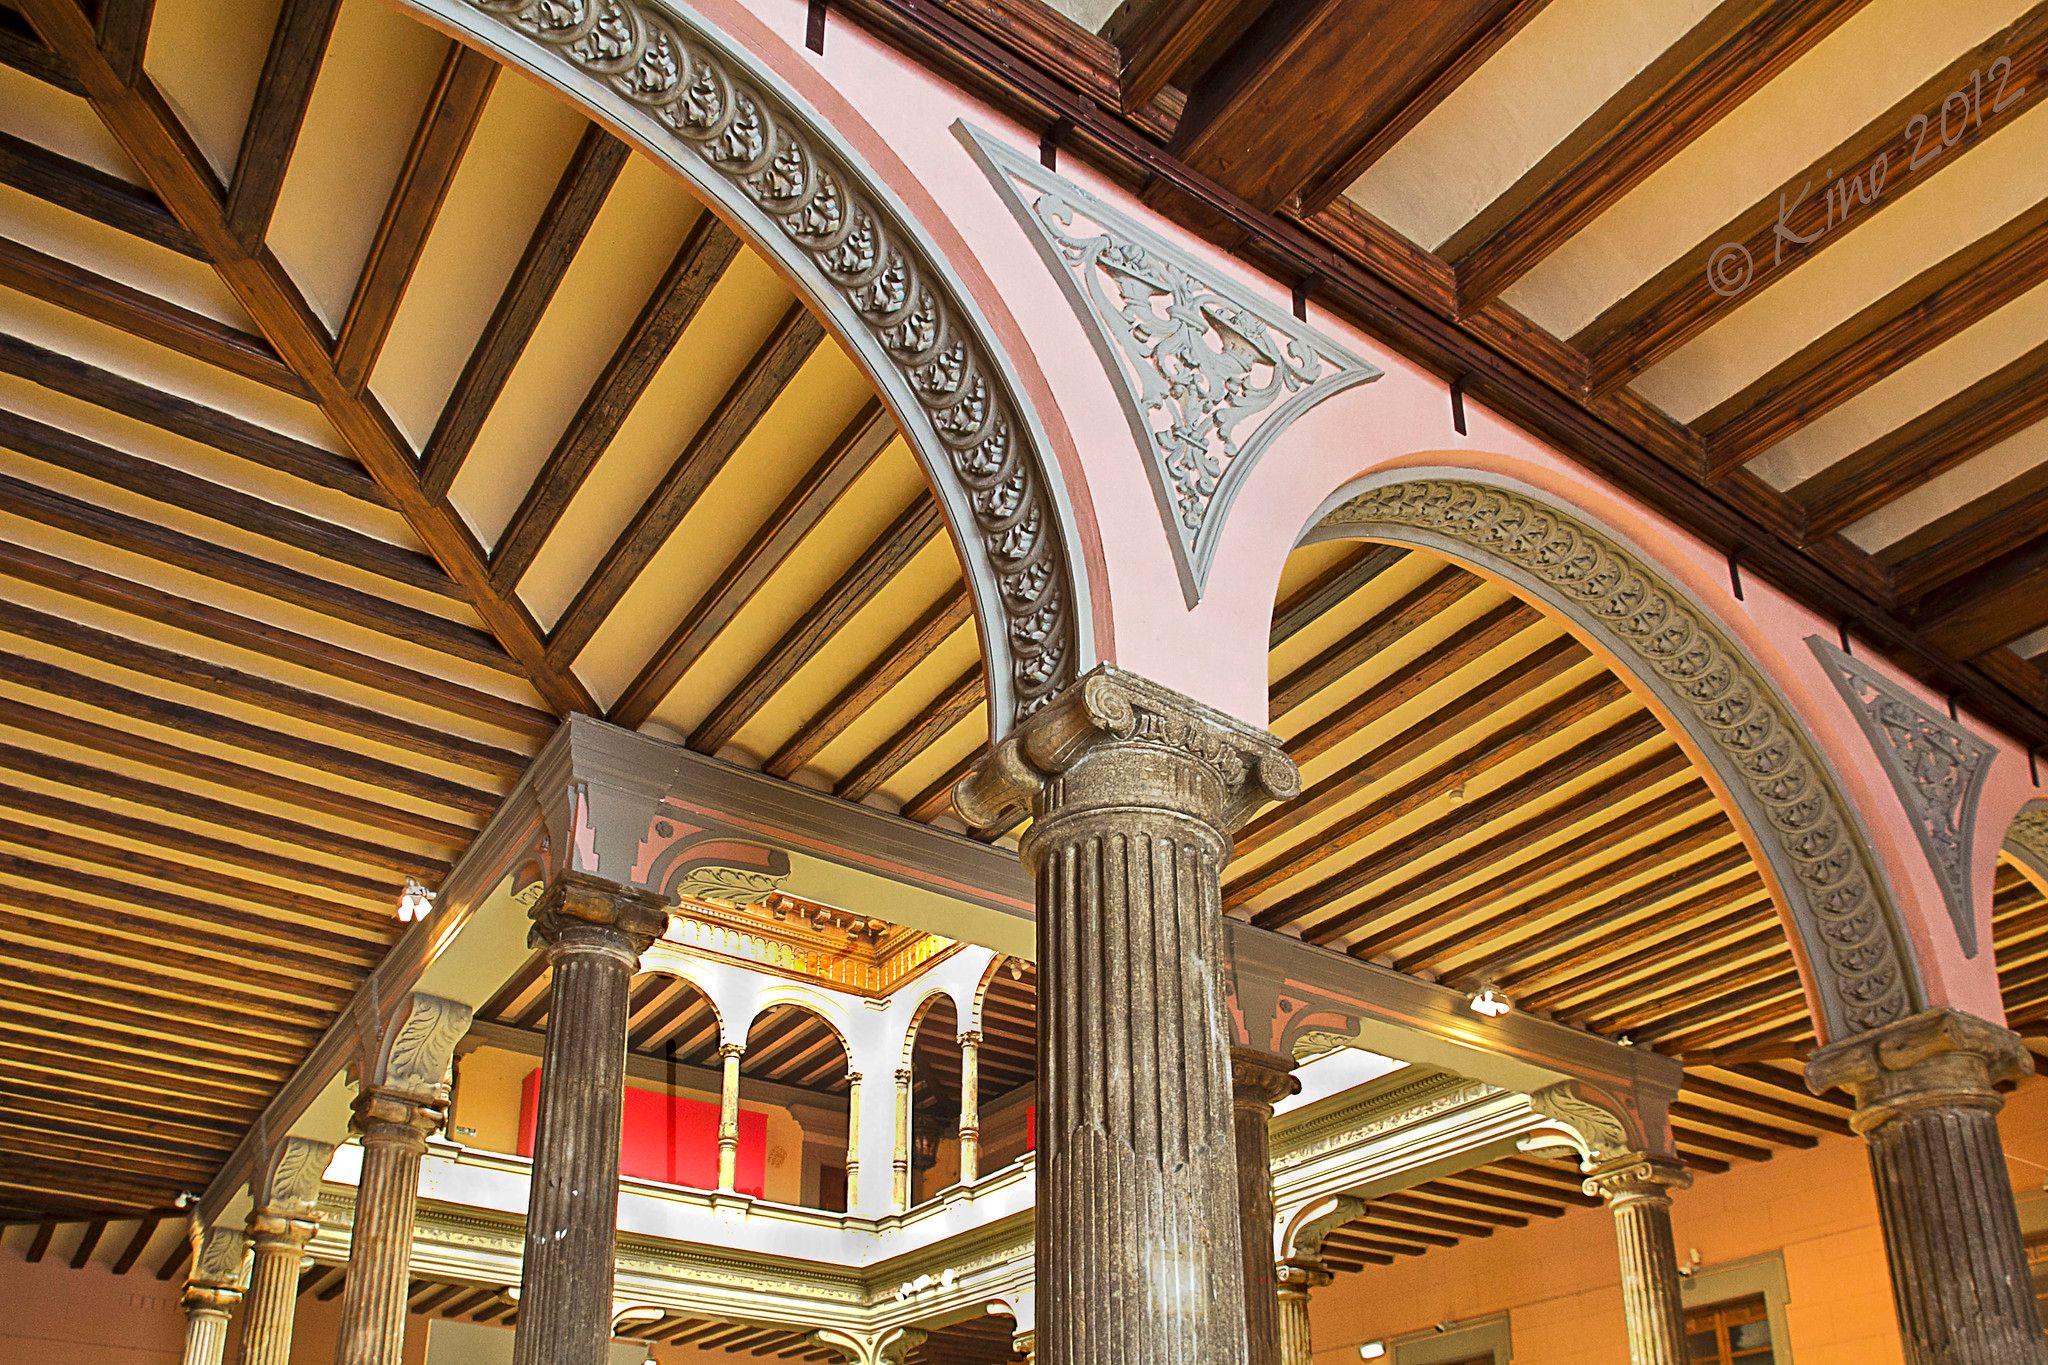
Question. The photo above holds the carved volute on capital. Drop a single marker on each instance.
(1635, 1178)
(220, 1263)
(579, 912)
(287, 1192)
(1114, 741)
(1260, 1080)
(1937, 1060)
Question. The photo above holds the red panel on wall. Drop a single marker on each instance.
(671, 1139)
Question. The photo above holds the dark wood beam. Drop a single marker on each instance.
(1331, 589)
(182, 417)
(2003, 601)
(1784, 230)
(1415, 609)
(1939, 303)
(850, 454)
(1875, 475)
(795, 337)
(1721, 61)
(150, 132)
(954, 704)
(92, 192)
(21, 50)
(273, 642)
(579, 194)
(128, 309)
(298, 45)
(144, 1231)
(695, 270)
(454, 107)
(1342, 67)
(1165, 35)
(1958, 544)
(917, 526)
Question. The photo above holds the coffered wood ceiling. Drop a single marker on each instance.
(1573, 207)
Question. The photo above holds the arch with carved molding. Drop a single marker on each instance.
(970, 1021)
(796, 189)
(1851, 944)
(2026, 842)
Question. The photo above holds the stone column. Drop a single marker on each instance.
(899, 1159)
(852, 1141)
(970, 1107)
(594, 933)
(284, 1220)
(1927, 1109)
(1134, 792)
(1637, 1190)
(729, 1055)
(1258, 1081)
(220, 1272)
(401, 1101)
(1294, 1280)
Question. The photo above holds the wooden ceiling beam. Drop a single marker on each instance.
(2000, 602)
(20, 49)
(695, 270)
(1608, 957)
(1960, 543)
(272, 642)
(1331, 589)
(146, 1061)
(1877, 474)
(954, 704)
(1428, 601)
(916, 527)
(453, 110)
(128, 309)
(1722, 60)
(1343, 67)
(1789, 228)
(121, 1007)
(851, 454)
(187, 804)
(105, 198)
(550, 249)
(1735, 1097)
(133, 535)
(249, 689)
(298, 46)
(137, 1244)
(152, 135)
(179, 416)
(1165, 36)
(274, 1025)
(1935, 305)
(124, 34)
(938, 797)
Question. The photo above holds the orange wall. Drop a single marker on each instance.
(1559, 1280)
(59, 1316)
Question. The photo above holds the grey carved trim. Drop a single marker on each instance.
(1302, 1239)
(414, 1054)
(220, 1256)
(1855, 946)
(291, 1188)
(1210, 373)
(1935, 765)
(1376, 1113)
(787, 180)
(1596, 1133)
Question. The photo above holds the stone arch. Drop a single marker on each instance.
(970, 1020)
(1847, 934)
(792, 995)
(667, 966)
(2026, 841)
(796, 190)
(915, 1021)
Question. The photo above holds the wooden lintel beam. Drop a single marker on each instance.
(144, 1231)
(453, 110)
(1722, 60)
(1999, 603)
(298, 46)
(1163, 37)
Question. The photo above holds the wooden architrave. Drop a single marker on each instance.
(1853, 946)
(798, 192)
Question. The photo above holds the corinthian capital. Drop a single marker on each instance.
(1179, 754)
(1940, 1058)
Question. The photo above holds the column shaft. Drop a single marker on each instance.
(206, 1325)
(899, 1159)
(565, 1296)
(1927, 1105)
(1258, 1081)
(273, 1299)
(729, 1116)
(1294, 1280)
(970, 1108)
(1649, 1281)
(394, 1134)
(852, 1141)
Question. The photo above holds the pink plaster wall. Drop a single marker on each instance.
(1559, 1280)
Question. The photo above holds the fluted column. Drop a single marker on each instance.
(284, 1220)
(1258, 1081)
(899, 1158)
(729, 1055)
(1134, 792)
(1637, 1190)
(213, 1286)
(1293, 1281)
(1927, 1109)
(594, 933)
(852, 1141)
(970, 1107)
(394, 1129)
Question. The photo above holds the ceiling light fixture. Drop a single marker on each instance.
(1373, 1350)
(414, 902)
(1490, 1002)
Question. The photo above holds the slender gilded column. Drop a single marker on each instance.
(899, 1160)
(1293, 1281)
(729, 1115)
(1025, 1344)
(1133, 792)
(1637, 1190)
(594, 933)
(970, 1107)
(402, 1100)
(284, 1220)
(220, 1272)
(1258, 1081)
(1928, 1111)
(852, 1141)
